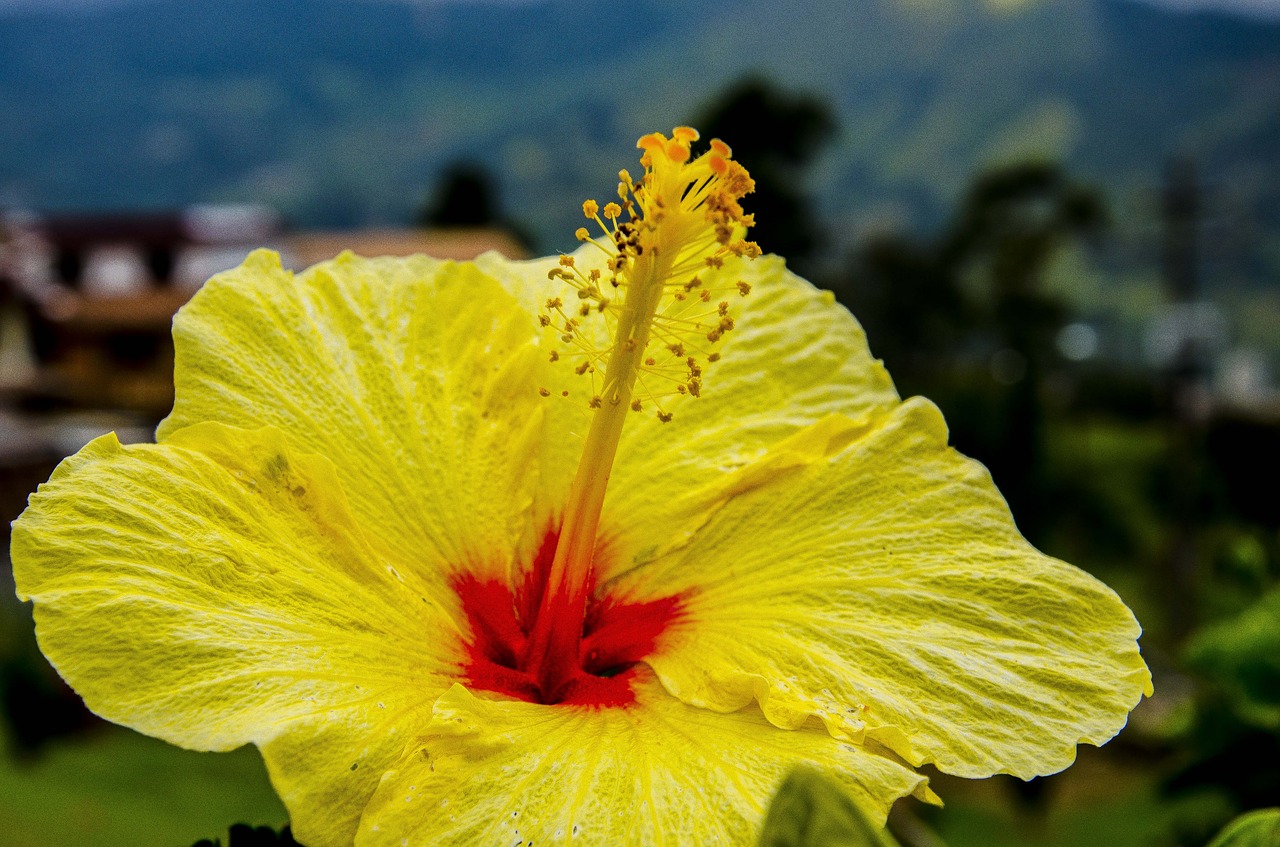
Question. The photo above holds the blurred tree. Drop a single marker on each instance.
(776, 136)
(964, 318)
(466, 198)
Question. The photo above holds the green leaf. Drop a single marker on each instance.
(1243, 655)
(813, 810)
(1260, 828)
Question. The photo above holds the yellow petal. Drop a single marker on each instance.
(795, 357)
(659, 772)
(416, 377)
(215, 589)
(326, 767)
(886, 590)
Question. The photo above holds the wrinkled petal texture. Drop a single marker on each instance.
(794, 358)
(216, 590)
(415, 377)
(494, 772)
(277, 569)
(884, 588)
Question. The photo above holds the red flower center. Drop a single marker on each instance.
(587, 658)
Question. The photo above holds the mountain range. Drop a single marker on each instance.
(343, 112)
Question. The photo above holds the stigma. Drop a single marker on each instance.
(660, 240)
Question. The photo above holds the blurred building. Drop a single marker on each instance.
(95, 295)
(87, 304)
(303, 249)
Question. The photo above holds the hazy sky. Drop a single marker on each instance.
(1268, 8)
(1264, 8)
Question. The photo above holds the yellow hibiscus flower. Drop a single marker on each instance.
(475, 557)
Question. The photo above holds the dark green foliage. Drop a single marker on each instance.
(776, 135)
(465, 198)
(964, 318)
(1234, 745)
(243, 835)
(468, 197)
(36, 706)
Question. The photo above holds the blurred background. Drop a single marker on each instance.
(1060, 219)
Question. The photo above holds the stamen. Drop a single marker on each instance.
(682, 217)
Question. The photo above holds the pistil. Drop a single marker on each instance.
(556, 640)
(684, 218)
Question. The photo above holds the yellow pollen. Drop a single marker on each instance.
(590, 209)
